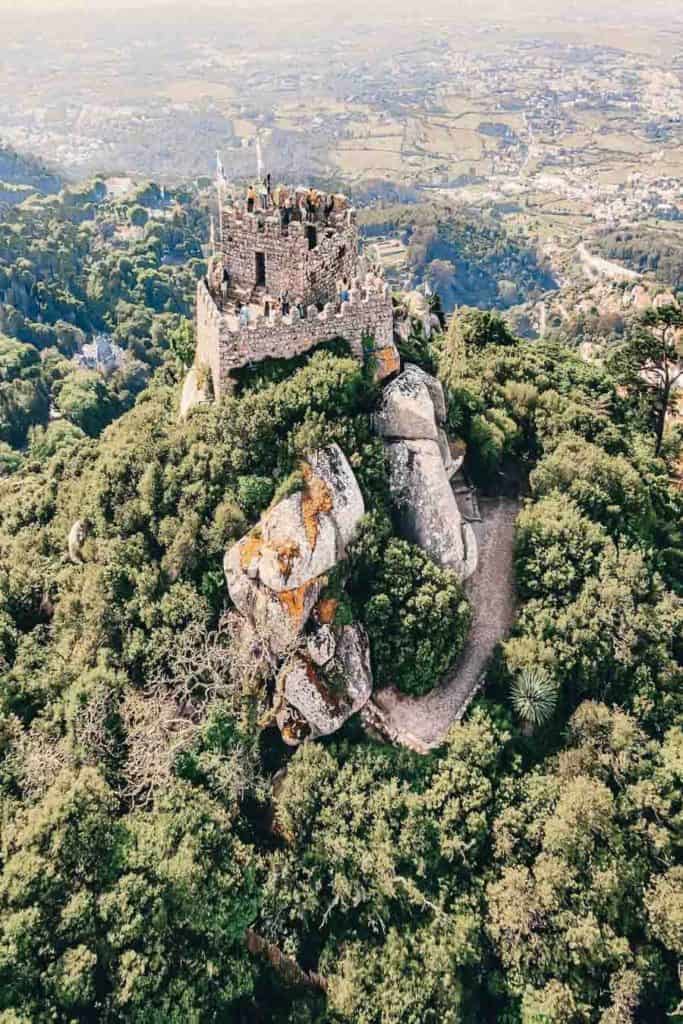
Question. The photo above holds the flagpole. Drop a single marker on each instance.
(259, 160)
(220, 178)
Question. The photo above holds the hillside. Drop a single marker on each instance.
(468, 259)
(170, 850)
(21, 175)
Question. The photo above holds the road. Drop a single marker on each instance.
(422, 723)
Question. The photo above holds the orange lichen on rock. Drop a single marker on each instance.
(388, 362)
(316, 500)
(286, 553)
(294, 602)
(295, 732)
(325, 610)
(250, 548)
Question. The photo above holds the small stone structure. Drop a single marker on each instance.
(100, 354)
(308, 256)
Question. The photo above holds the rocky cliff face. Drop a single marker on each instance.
(192, 394)
(411, 419)
(275, 577)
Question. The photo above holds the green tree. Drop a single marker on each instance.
(566, 908)
(534, 697)
(181, 342)
(653, 363)
(138, 216)
(122, 915)
(415, 612)
(84, 399)
(557, 549)
(481, 328)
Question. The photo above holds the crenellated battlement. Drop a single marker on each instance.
(225, 344)
(270, 224)
(286, 278)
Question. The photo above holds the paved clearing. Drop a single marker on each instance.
(422, 722)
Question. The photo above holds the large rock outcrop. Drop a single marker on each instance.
(428, 512)
(279, 568)
(275, 576)
(412, 407)
(193, 393)
(414, 313)
(411, 419)
(324, 697)
(78, 534)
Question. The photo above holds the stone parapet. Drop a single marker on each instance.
(225, 345)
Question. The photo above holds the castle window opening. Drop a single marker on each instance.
(260, 270)
(312, 234)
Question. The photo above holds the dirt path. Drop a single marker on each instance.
(421, 723)
(597, 266)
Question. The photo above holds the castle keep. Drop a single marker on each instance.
(286, 275)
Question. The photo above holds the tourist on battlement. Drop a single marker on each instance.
(244, 315)
(284, 303)
(251, 199)
(269, 185)
(344, 295)
(301, 307)
(286, 212)
(329, 207)
(312, 201)
(225, 285)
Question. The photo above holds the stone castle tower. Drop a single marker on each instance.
(286, 275)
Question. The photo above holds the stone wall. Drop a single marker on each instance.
(290, 264)
(209, 327)
(224, 345)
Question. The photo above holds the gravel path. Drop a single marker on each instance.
(421, 723)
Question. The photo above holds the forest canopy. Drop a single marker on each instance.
(165, 857)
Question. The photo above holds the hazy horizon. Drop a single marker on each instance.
(484, 8)
(392, 91)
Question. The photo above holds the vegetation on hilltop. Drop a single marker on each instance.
(468, 260)
(647, 249)
(21, 175)
(508, 876)
(76, 263)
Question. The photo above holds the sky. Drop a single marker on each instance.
(504, 7)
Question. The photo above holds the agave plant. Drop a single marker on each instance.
(534, 696)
